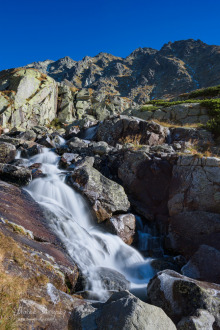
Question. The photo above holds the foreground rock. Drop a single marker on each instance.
(204, 265)
(122, 311)
(124, 129)
(105, 196)
(180, 296)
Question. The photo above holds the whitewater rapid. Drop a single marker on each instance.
(89, 246)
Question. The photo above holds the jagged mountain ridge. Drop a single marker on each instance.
(146, 73)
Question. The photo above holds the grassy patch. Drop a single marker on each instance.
(203, 92)
(149, 108)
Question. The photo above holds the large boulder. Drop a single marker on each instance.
(30, 98)
(195, 185)
(180, 296)
(204, 265)
(146, 181)
(122, 311)
(124, 129)
(7, 152)
(105, 196)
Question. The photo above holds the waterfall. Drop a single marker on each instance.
(89, 246)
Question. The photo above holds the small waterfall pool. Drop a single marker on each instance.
(89, 246)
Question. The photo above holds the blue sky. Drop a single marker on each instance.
(45, 29)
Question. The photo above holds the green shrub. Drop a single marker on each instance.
(204, 92)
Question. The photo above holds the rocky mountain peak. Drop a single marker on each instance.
(146, 73)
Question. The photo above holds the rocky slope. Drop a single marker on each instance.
(141, 170)
(145, 74)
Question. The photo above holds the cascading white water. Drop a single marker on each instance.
(89, 246)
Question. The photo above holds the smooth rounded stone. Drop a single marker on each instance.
(112, 280)
(122, 225)
(28, 135)
(105, 196)
(7, 152)
(14, 174)
(202, 320)
(180, 296)
(122, 311)
(204, 265)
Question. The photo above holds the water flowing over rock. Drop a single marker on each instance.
(121, 311)
(181, 296)
(70, 219)
(105, 196)
(24, 215)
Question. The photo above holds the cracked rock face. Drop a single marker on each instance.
(27, 98)
(105, 196)
(194, 204)
(195, 185)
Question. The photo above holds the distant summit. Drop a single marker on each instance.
(146, 73)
